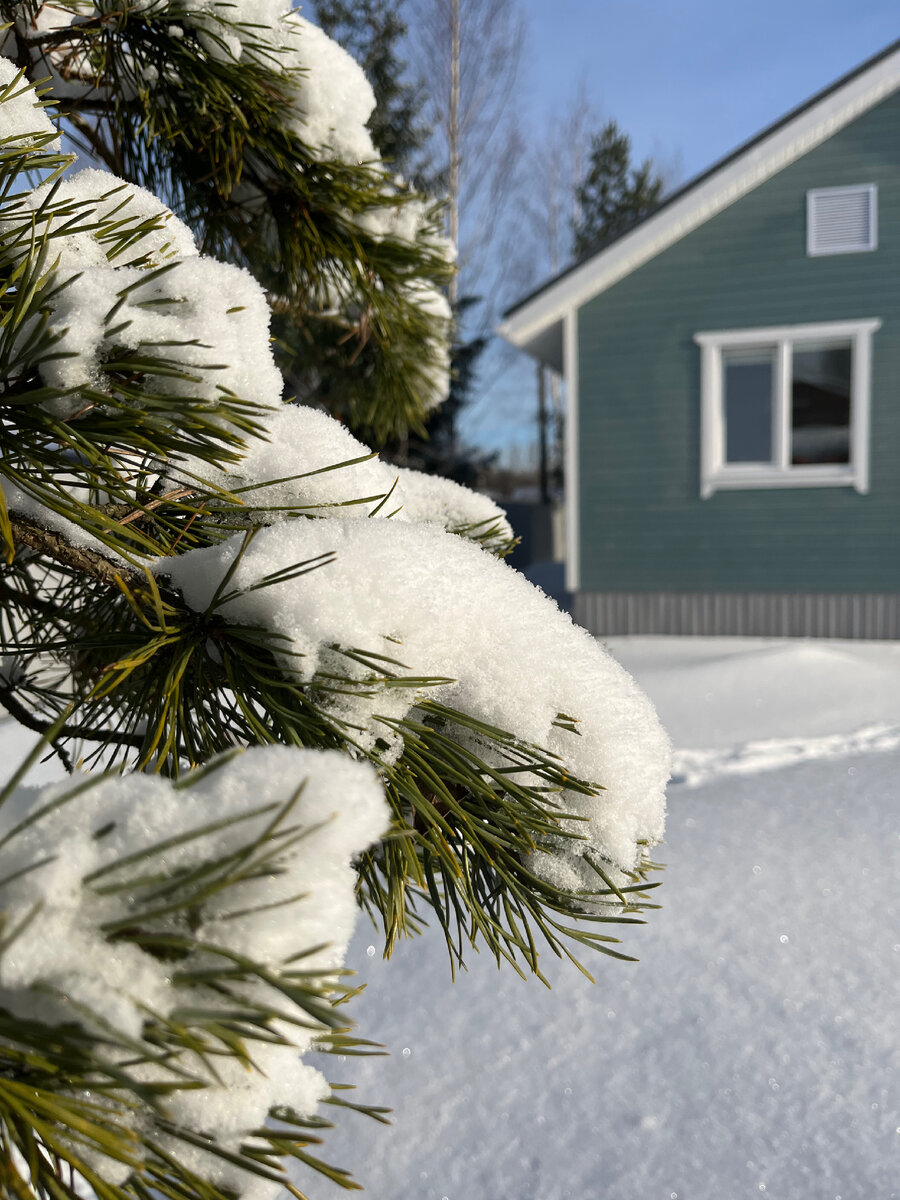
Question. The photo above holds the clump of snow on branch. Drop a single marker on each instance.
(331, 98)
(210, 318)
(444, 608)
(459, 509)
(309, 461)
(24, 118)
(94, 219)
(59, 859)
(334, 100)
(406, 222)
(435, 308)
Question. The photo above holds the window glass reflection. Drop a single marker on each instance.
(820, 402)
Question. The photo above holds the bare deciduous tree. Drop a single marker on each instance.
(556, 172)
(468, 53)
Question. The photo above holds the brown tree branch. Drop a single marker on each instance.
(89, 139)
(54, 545)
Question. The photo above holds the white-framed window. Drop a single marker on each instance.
(842, 220)
(786, 406)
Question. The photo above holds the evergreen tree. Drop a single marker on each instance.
(614, 193)
(261, 652)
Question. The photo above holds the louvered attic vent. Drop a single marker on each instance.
(842, 220)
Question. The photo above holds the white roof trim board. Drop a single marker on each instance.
(765, 157)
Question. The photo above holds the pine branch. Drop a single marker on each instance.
(208, 125)
(80, 28)
(125, 413)
(55, 546)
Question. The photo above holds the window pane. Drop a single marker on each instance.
(820, 417)
(749, 375)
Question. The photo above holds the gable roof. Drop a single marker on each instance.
(530, 324)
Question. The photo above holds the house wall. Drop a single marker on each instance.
(643, 526)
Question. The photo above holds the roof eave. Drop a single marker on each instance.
(770, 152)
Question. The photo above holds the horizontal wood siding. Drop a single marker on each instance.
(744, 614)
(643, 525)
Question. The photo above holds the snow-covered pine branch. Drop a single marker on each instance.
(193, 566)
(167, 954)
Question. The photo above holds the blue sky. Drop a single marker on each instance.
(698, 76)
(689, 80)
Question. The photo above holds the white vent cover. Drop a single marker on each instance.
(842, 220)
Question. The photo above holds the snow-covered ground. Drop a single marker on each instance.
(753, 1049)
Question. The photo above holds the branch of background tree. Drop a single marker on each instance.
(26, 717)
(21, 714)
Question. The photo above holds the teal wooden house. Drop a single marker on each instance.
(732, 374)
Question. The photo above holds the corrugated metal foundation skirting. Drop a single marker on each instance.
(747, 614)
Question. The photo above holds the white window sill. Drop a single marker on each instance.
(753, 476)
